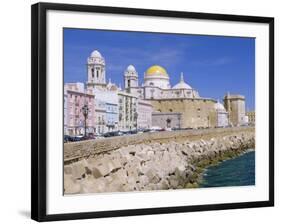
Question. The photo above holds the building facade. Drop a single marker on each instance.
(106, 94)
(77, 97)
(100, 116)
(144, 114)
(127, 104)
(166, 120)
(235, 106)
(222, 115)
(195, 111)
(155, 102)
(157, 85)
(65, 113)
(251, 117)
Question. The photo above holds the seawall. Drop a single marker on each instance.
(79, 150)
(172, 162)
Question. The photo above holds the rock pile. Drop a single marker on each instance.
(153, 166)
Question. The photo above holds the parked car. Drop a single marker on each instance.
(87, 138)
(117, 133)
(126, 133)
(68, 138)
(98, 136)
(155, 128)
(113, 133)
(107, 134)
(132, 132)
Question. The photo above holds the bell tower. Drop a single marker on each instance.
(96, 70)
(130, 78)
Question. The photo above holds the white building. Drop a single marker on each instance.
(106, 109)
(127, 111)
(144, 114)
(65, 112)
(106, 98)
(222, 115)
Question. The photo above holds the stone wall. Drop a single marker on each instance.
(78, 150)
(157, 165)
(196, 113)
(166, 119)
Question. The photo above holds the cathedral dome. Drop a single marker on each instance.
(219, 107)
(156, 70)
(96, 54)
(182, 84)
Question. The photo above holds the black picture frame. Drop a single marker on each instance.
(39, 108)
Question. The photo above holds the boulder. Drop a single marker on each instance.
(78, 169)
(68, 169)
(70, 185)
(163, 185)
(93, 185)
(143, 180)
(120, 175)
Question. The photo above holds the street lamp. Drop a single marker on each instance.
(85, 110)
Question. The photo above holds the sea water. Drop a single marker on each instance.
(239, 171)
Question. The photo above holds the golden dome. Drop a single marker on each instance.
(156, 70)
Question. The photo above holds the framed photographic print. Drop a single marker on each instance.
(139, 111)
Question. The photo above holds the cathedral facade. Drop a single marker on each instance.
(178, 106)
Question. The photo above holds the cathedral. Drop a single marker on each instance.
(179, 106)
(157, 85)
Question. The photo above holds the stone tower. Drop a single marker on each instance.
(130, 78)
(235, 106)
(96, 70)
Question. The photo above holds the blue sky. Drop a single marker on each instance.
(213, 65)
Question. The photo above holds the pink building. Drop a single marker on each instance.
(75, 97)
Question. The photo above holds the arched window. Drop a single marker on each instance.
(93, 73)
